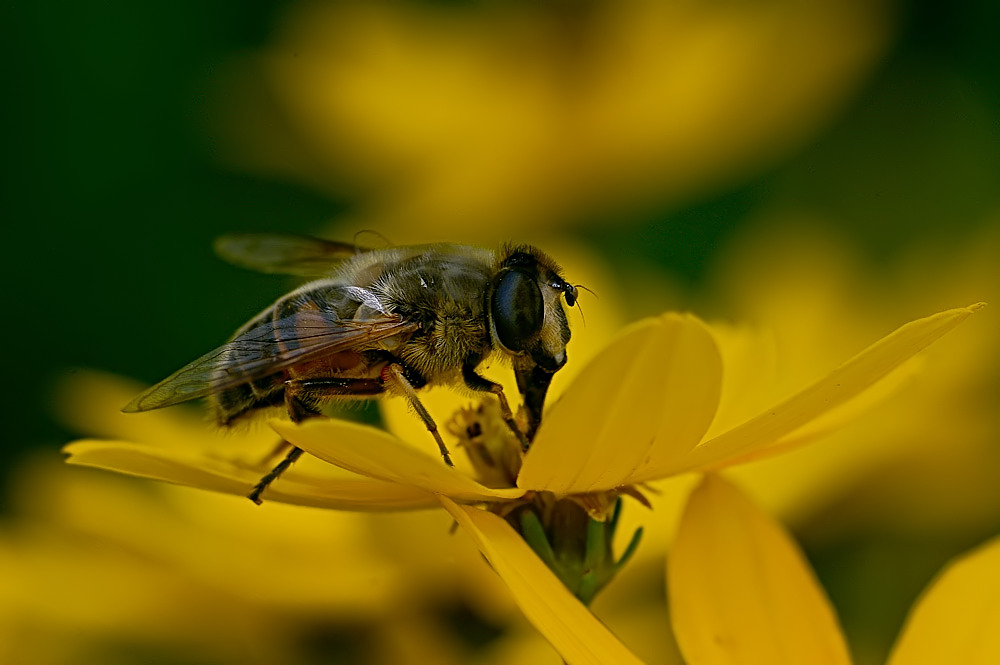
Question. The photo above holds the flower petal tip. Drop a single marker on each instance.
(78, 449)
(282, 427)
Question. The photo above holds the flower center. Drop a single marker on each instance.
(493, 450)
(573, 535)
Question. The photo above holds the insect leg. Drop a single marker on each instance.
(294, 454)
(477, 382)
(299, 394)
(395, 375)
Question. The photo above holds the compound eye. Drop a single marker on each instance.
(517, 309)
(570, 293)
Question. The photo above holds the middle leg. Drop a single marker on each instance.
(395, 375)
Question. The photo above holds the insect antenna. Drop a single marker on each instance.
(579, 306)
(364, 232)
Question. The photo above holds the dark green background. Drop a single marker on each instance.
(112, 193)
(112, 196)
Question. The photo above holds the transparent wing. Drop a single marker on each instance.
(266, 349)
(284, 254)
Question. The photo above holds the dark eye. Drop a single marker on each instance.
(569, 292)
(517, 309)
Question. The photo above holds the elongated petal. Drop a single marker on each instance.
(958, 618)
(90, 402)
(577, 635)
(376, 454)
(642, 403)
(750, 357)
(844, 383)
(838, 417)
(184, 467)
(741, 591)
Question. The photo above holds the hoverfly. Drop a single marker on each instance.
(380, 321)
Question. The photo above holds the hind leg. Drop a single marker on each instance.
(301, 395)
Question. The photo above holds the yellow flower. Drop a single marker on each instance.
(742, 593)
(653, 405)
(93, 564)
(921, 463)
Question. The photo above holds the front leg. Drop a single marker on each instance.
(480, 383)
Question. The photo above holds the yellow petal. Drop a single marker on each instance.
(841, 385)
(750, 357)
(184, 467)
(640, 404)
(89, 402)
(576, 634)
(958, 618)
(376, 454)
(741, 591)
(838, 417)
(689, 396)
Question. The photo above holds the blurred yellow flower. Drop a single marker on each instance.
(742, 593)
(923, 461)
(98, 568)
(539, 114)
(653, 404)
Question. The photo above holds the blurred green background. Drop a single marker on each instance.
(113, 194)
(113, 190)
(115, 184)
